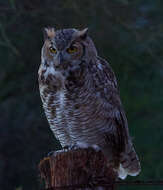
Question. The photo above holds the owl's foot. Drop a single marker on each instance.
(70, 147)
(65, 149)
(81, 145)
(85, 146)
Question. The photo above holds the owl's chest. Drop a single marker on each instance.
(54, 102)
(68, 105)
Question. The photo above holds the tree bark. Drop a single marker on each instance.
(77, 169)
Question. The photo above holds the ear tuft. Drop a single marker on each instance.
(49, 33)
(83, 33)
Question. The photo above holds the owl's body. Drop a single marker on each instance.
(81, 100)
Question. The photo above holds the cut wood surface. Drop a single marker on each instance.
(77, 169)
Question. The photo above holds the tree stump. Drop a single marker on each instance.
(77, 169)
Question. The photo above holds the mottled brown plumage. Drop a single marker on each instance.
(81, 99)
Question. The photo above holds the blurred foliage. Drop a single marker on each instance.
(128, 33)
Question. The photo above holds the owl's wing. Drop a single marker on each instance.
(119, 136)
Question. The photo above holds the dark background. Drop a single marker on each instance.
(128, 33)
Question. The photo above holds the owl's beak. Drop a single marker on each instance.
(59, 59)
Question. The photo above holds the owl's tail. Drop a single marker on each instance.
(129, 163)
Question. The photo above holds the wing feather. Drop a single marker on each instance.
(120, 135)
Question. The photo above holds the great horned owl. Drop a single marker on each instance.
(81, 99)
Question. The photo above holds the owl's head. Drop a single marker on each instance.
(67, 47)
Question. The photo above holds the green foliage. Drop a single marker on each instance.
(128, 33)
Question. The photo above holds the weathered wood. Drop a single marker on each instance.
(77, 169)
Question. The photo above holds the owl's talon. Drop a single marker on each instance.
(66, 148)
(71, 147)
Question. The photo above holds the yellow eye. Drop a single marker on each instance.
(53, 50)
(72, 49)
